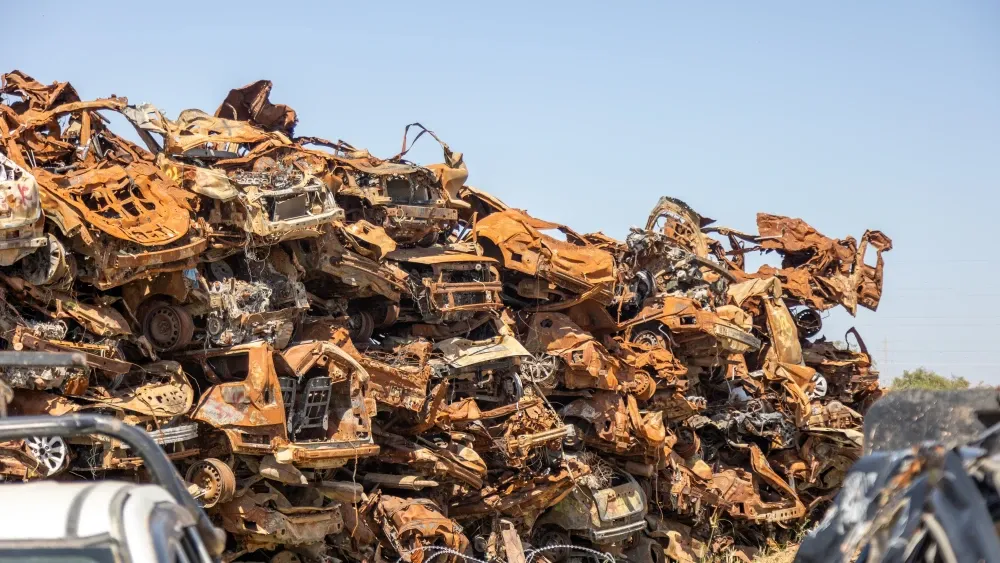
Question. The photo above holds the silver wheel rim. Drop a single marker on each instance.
(540, 370)
(49, 452)
(819, 390)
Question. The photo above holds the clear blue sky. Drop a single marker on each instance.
(851, 115)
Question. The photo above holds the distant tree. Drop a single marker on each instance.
(922, 378)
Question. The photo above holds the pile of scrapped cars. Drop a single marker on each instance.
(353, 358)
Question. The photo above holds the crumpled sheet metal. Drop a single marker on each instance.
(411, 525)
(678, 222)
(120, 192)
(278, 189)
(250, 103)
(367, 359)
(461, 353)
(573, 266)
(522, 496)
(268, 520)
(588, 365)
(824, 272)
(455, 462)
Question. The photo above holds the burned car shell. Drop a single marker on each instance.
(575, 268)
(248, 404)
(689, 324)
(681, 224)
(20, 213)
(256, 181)
(603, 515)
(405, 199)
(583, 362)
(409, 525)
(449, 285)
(153, 398)
(341, 280)
(219, 304)
(266, 520)
(485, 369)
(102, 194)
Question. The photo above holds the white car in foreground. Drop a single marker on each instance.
(102, 521)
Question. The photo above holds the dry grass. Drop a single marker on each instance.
(786, 555)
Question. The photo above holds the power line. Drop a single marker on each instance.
(942, 260)
(929, 317)
(942, 351)
(959, 364)
(925, 325)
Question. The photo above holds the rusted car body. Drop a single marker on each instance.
(661, 265)
(223, 303)
(21, 223)
(106, 198)
(448, 285)
(150, 397)
(849, 374)
(564, 355)
(550, 270)
(521, 494)
(399, 377)
(414, 204)
(612, 423)
(345, 275)
(735, 490)
(603, 514)
(410, 525)
(254, 183)
(304, 406)
(263, 518)
(486, 369)
(699, 331)
(403, 198)
(676, 294)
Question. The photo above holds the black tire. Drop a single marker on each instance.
(551, 535)
(361, 326)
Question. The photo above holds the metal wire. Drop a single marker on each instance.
(529, 555)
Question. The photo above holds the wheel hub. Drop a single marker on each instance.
(648, 338)
(215, 480)
(50, 452)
